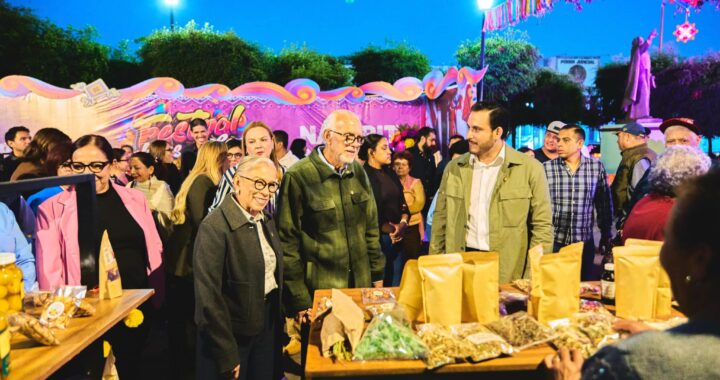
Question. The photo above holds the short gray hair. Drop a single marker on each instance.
(249, 163)
(676, 165)
(330, 121)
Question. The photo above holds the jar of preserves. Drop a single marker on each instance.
(11, 284)
(4, 347)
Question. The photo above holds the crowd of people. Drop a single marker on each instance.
(234, 236)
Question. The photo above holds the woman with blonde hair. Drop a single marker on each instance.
(191, 207)
(257, 140)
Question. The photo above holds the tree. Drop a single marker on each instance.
(301, 62)
(610, 85)
(390, 64)
(38, 48)
(553, 96)
(198, 56)
(512, 63)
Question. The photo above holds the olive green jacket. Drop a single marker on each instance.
(520, 214)
(328, 226)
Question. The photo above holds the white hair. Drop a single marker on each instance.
(250, 163)
(676, 165)
(330, 121)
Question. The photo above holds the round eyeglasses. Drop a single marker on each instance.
(261, 184)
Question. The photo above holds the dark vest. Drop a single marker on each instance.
(620, 185)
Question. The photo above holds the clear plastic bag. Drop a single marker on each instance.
(390, 337)
(488, 345)
(521, 330)
(445, 348)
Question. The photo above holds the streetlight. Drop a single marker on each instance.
(483, 5)
(172, 4)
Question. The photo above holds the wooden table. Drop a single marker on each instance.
(523, 364)
(30, 360)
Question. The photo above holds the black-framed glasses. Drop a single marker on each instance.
(236, 156)
(66, 165)
(95, 166)
(261, 184)
(349, 137)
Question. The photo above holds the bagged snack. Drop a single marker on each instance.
(34, 302)
(597, 327)
(84, 309)
(442, 288)
(371, 311)
(521, 330)
(410, 293)
(534, 255)
(389, 337)
(589, 306)
(480, 271)
(663, 302)
(32, 328)
(333, 339)
(444, 347)
(110, 285)
(57, 312)
(555, 291)
(488, 345)
(522, 284)
(571, 337)
(637, 275)
(374, 296)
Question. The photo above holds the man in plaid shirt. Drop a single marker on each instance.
(577, 185)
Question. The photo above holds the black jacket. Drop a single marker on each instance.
(188, 156)
(230, 280)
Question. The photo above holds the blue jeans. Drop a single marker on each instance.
(394, 260)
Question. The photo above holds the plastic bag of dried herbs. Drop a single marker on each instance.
(521, 330)
(390, 337)
(444, 347)
(571, 337)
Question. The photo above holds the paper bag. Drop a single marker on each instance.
(481, 296)
(637, 276)
(663, 301)
(410, 292)
(110, 285)
(560, 284)
(442, 288)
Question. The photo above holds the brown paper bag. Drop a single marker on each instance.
(663, 301)
(480, 287)
(534, 255)
(637, 275)
(331, 333)
(350, 315)
(410, 292)
(560, 284)
(442, 288)
(109, 285)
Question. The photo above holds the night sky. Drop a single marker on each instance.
(603, 28)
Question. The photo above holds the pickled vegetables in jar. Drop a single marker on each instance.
(11, 284)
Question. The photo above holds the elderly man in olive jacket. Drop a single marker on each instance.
(493, 198)
(328, 218)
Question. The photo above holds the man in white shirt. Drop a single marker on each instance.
(285, 157)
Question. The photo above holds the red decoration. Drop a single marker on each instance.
(685, 32)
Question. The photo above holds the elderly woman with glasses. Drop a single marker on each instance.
(238, 280)
(126, 217)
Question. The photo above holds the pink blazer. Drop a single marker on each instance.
(57, 251)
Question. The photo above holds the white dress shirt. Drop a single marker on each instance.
(484, 178)
(288, 160)
(268, 252)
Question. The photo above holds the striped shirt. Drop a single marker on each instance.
(573, 197)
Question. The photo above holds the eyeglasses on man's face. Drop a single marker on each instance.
(349, 137)
(236, 156)
(261, 184)
(95, 166)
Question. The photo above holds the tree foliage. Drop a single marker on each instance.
(389, 64)
(512, 63)
(302, 62)
(197, 56)
(553, 96)
(38, 48)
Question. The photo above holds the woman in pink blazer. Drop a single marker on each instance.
(125, 215)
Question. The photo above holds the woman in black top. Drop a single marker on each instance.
(163, 154)
(392, 210)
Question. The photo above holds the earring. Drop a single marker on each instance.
(688, 279)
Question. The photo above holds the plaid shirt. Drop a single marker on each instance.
(573, 197)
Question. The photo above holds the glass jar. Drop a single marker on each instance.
(4, 347)
(11, 284)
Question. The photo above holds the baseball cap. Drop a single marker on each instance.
(681, 121)
(555, 127)
(632, 128)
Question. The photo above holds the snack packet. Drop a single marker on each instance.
(444, 347)
(63, 305)
(480, 271)
(521, 330)
(488, 345)
(110, 285)
(637, 275)
(32, 328)
(390, 337)
(410, 293)
(442, 284)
